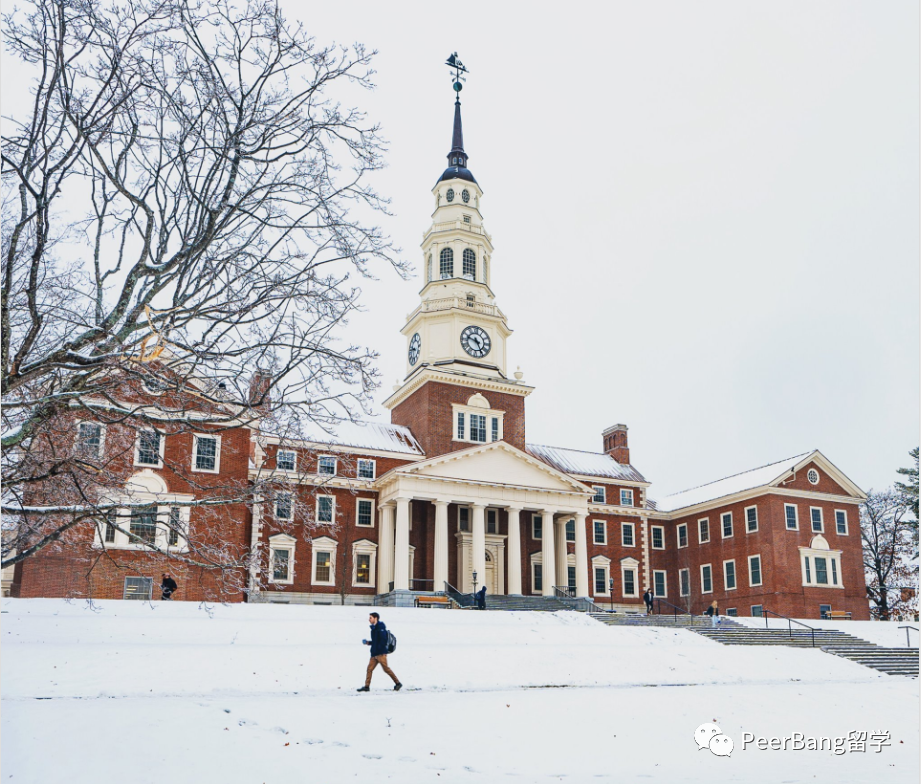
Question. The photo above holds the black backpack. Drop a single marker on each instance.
(391, 642)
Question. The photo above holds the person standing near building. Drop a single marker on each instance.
(378, 643)
(648, 597)
(714, 612)
(168, 587)
(481, 598)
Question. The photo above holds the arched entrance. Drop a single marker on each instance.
(492, 574)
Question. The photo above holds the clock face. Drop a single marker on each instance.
(476, 341)
(450, 194)
(465, 195)
(414, 345)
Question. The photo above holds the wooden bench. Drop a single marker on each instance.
(434, 601)
(838, 615)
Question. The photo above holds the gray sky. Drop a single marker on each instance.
(706, 217)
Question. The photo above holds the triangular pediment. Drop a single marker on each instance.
(817, 459)
(496, 463)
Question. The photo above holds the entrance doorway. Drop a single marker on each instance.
(492, 575)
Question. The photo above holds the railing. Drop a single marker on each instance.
(460, 599)
(564, 593)
(908, 635)
(446, 303)
(790, 622)
(578, 603)
(458, 224)
(675, 608)
(412, 584)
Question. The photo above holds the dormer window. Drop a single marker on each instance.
(446, 259)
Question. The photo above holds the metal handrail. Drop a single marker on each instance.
(564, 593)
(790, 622)
(460, 599)
(907, 635)
(677, 609)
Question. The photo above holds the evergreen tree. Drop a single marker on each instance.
(910, 491)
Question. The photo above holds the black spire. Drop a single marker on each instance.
(457, 158)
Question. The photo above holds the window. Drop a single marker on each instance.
(598, 498)
(463, 518)
(89, 440)
(365, 512)
(751, 519)
(600, 528)
(446, 261)
(325, 509)
(629, 581)
(466, 219)
(537, 577)
(732, 612)
(364, 555)
(571, 579)
(626, 534)
(366, 469)
(658, 537)
(601, 573)
(492, 523)
(149, 444)
(601, 580)
(138, 588)
(363, 569)
(284, 506)
(478, 428)
(726, 519)
(428, 269)
(570, 530)
(824, 610)
(754, 570)
(841, 522)
(469, 264)
(326, 466)
(175, 526)
(684, 580)
(808, 571)
(143, 524)
(821, 571)
(323, 566)
(206, 453)
(757, 611)
(658, 584)
(286, 460)
(729, 575)
(706, 579)
(109, 535)
(537, 526)
(703, 530)
(790, 516)
(834, 571)
(683, 535)
(626, 497)
(813, 476)
(280, 565)
(495, 428)
(820, 564)
(815, 515)
(460, 426)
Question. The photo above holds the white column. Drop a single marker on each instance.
(582, 583)
(478, 545)
(562, 574)
(441, 545)
(401, 547)
(385, 549)
(548, 560)
(514, 550)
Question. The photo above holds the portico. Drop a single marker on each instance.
(484, 493)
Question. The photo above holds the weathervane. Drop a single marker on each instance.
(459, 70)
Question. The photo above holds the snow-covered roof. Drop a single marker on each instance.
(378, 436)
(757, 477)
(574, 461)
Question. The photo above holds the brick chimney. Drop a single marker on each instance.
(260, 390)
(615, 443)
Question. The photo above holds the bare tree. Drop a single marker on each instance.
(886, 533)
(184, 199)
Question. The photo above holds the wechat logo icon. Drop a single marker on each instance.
(709, 736)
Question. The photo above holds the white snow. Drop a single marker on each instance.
(888, 634)
(379, 436)
(574, 461)
(176, 692)
(757, 477)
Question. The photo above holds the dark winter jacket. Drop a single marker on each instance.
(711, 611)
(168, 584)
(647, 597)
(379, 639)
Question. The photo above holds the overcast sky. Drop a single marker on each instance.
(705, 217)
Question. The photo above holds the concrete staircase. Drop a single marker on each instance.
(524, 603)
(892, 661)
(692, 622)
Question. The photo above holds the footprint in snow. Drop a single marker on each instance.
(311, 741)
(371, 756)
(340, 743)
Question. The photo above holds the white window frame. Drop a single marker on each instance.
(682, 582)
(745, 520)
(286, 452)
(732, 612)
(604, 528)
(752, 584)
(624, 527)
(630, 567)
(495, 513)
(732, 527)
(602, 562)
(373, 468)
(809, 474)
(102, 438)
(364, 547)
(795, 508)
(373, 510)
(699, 521)
(323, 544)
(469, 528)
(702, 583)
(809, 576)
(735, 575)
(542, 526)
(137, 449)
(664, 574)
(488, 415)
(687, 540)
(290, 495)
(846, 529)
(332, 511)
(537, 560)
(629, 494)
(321, 458)
(217, 453)
(281, 542)
(596, 491)
(652, 537)
(812, 528)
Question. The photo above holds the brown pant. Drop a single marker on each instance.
(382, 660)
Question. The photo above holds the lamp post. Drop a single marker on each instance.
(611, 585)
(474, 583)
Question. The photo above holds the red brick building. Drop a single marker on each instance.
(452, 492)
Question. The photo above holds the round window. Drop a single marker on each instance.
(465, 195)
(450, 194)
(813, 476)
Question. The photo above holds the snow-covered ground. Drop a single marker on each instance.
(266, 693)
(885, 633)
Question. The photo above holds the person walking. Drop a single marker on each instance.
(378, 643)
(714, 612)
(167, 587)
(481, 598)
(648, 597)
